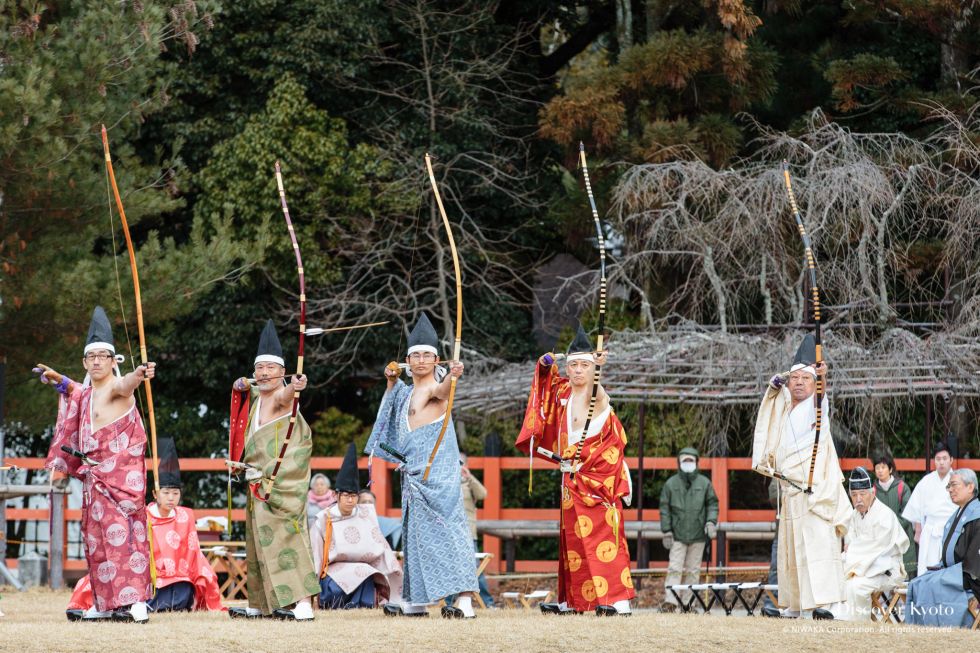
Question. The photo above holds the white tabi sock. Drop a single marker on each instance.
(253, 612)
(414, 608)
(790, 613)
(303, 611)
(92, 613)
(622, 607)
(138, 610)
(563, 605)
(465, 604)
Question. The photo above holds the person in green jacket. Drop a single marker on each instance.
(688, 520)
(894, 493)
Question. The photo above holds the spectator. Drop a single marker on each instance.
(320, 497)
(356, 567)
(895, 493)
(937, 596)
(929, 509)
(875, 542)
(688, 519)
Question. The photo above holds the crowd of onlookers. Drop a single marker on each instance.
(937, 519)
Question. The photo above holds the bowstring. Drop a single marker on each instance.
(122, 306)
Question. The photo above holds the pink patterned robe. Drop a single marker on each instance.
(113, 498)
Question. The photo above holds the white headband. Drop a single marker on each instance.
(425, 348)
(800, 367)
(99, 345)
(269, 358)
(580, 357)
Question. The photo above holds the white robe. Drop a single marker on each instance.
(873, 559)
(930, 506)
(810, 525)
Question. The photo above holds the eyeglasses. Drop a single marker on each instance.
(426, 357)
(97, 357)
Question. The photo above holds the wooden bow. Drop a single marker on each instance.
(139, 309)
(302, 333)
(602, 302)
(811, 266)
(459, 315)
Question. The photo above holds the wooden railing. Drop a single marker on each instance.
(717, 468)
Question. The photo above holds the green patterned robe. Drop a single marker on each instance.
(277, 542)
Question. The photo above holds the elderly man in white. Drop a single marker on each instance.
(875, 542)
(811, 523)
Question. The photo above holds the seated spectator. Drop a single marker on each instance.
(391, 527)
(895, 493)
(937, 597)
(184, 577)
(875, 542)
(967, 552)
(357, 568)
(319, 498)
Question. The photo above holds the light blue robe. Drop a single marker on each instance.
(937, 598)
(439, 558)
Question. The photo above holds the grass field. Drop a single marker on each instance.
(35, 621)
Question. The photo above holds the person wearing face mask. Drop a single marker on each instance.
(594, 561)
(813, 519)
(689, 520)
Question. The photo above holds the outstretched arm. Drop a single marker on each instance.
(441, 391)
(284, 396)
(126, 386)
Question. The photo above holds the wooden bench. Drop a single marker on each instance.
(513, 599)
(974, 607)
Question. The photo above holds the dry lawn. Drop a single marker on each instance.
(35, 621)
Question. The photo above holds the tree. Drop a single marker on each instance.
(66, 69)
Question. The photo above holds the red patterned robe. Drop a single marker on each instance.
(178, 558)
(594, 562)
(113, 504)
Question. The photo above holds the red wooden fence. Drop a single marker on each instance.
(717, 468)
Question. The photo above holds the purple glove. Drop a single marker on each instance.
(777, 381)
(241, 385)
(62, 386)
(548, 359)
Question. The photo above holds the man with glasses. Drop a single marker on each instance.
(281, 578)
(356, 567)
(811, 524)
(99, 423)
(439, 559)
(940, 596)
